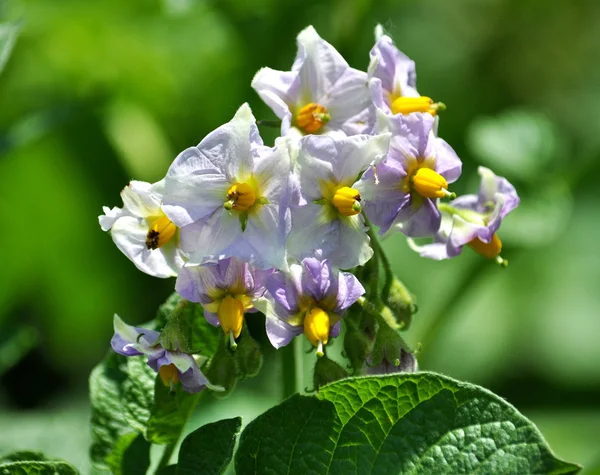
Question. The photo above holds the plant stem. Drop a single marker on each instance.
(385, 262)
(288, 369)
(170, 448)
(166, 456)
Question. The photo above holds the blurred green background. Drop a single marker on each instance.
(96, 93)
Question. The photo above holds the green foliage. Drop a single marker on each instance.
(515, 143)
(409, 423)
(186, 329)
(127, 396)
(209, 449)
(108, 422)
(8, 36)
(137, 395)
(130, 455)
(169, 413)
(34, 463)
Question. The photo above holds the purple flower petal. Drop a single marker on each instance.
(280, 333)
(349, 291)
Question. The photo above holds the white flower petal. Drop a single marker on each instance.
(194, 187)
(129, 234)
(140, 200)
(109, 217)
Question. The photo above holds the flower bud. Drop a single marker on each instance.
(404, 362)
(248, 356)
(327, 371)
(222, 371)
(402, 304)
(178, 332)
(390, 353)
(357, 346)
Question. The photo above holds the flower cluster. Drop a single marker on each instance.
(247, 227)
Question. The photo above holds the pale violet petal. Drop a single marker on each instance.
(210, 237)
(194, 187)
(352, 244)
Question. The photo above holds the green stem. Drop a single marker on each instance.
(288, 369)
(170, 448)
(385, 262)
(166, 456)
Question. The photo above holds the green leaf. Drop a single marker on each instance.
(138, 393)
(26, 462)
(108, 422)
(165, 309)
(130, 456)
(417, 423)
(208, 450)
(8, 35)
(38, 468)
(169, 413)
(187, 330)
(122, 397)
(23, 455)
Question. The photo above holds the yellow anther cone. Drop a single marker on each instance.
(168, 374)
(408, 105)
(240, 197)
(161, 232)
(347, 201)
(312, 117)
(316, 327)
(490, 250)
(430, 184)
(231, 316)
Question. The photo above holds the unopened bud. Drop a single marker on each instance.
(404, 362)
(178, 332)
(357, 347)
(402, 304)
(327, 371)
(222, 371)
(248, 356)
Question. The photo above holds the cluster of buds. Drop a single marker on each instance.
(286, 230)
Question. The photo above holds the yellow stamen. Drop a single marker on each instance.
(490, 250)
(407, 105)
(316, 327)
(347, 201)
(312, 117)
(240, 197)
(430, 184)
(161, 232)
(168, 374)
(231, 316)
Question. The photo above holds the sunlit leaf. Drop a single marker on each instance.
(208, 450)
(410, 423)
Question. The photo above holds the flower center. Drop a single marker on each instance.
(231, 316)
(347, 201)
(161, 232)
(240, 197)
(312, 117)
(168, 374)
(407, 105)
(430, 184)
(316, 328)
(491, 250)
